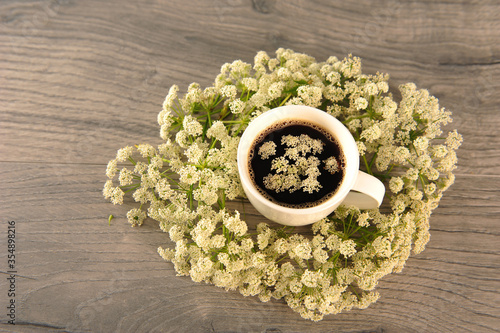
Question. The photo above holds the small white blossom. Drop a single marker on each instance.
(370, 89)
(141, 195)
(332, 165)
(170, 98)
(163, 189)
(235, 225)
(189, 174)
(146, 150)
(237, 106)
(454, 140)
(439, 151)
(136, 217)
(107, 190)
(421, 143)
(372, 133)
(201, 270)
(116, 196)
(412, 174)
(111, 169)
(333, 77)
(195, 153)
(207, 195)
(192, 126)
(333, 242)
(126, 177)
(361, 147)
(218, 131)
(274, 91)
(423, 161)
(250, 83)
(284, 73)
(430, 188)
(229, 92)
(320, 255)
(363, 219)
(302, 249)
(124, 153)
(267, 149)
(396, 184)
(401, 154)
(310, 278)
(360, 103)
(347, 248)
(281, 246)
(310, 95)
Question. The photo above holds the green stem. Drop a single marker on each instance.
(133, 188)
(132, 161)
(357, 295)
(284, 100)
(366, 115)
(190, 195)
(367, 165)
(222, 201)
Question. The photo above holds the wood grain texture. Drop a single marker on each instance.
(80, 79)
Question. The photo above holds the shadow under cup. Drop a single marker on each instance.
(296, 113)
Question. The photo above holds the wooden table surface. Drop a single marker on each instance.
(80, 79)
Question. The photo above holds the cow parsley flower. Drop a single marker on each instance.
(192, 126)
(360, 103)
(229, 92)
(237, 106)
(235, 225)
(111, 168)
(136, 217)
(310, 95)
(396, 184)
(267, 149)
(332, 165)
(124, 153)
(116, 196)
(126, 177)
(310, 278)
(189, 174)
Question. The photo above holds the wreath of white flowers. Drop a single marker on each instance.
(185, 182)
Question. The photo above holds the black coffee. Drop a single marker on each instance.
(296, 164)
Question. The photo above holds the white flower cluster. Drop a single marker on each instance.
(298, 168)
(332, 165)
(185, 181)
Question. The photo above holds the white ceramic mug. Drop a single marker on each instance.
(356, 188)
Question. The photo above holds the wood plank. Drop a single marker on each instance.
(79, 273)
(98, 82)
(80, 79)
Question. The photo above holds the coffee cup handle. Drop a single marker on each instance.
(367, 192)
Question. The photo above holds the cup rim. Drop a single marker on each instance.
(302, 112)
